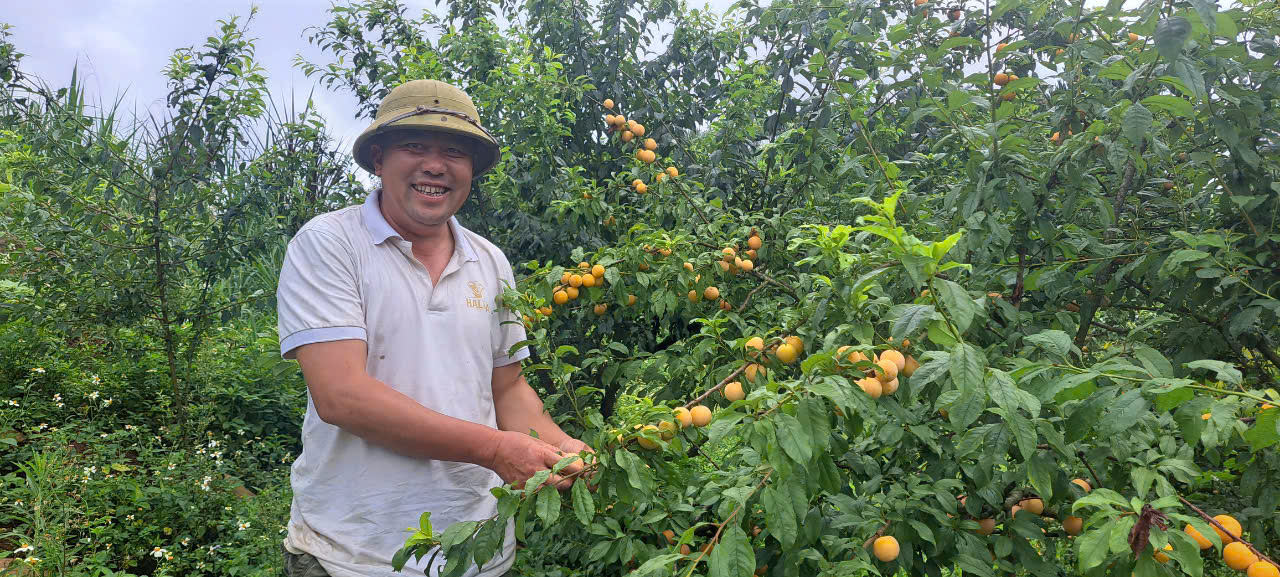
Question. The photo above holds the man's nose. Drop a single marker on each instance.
(433, 162)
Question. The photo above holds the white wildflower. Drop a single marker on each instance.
(25, 548)
(94, 396)
(38, 370)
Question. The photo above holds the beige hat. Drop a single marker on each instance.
(429, 105)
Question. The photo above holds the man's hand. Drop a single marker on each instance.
(572, 445)
(517, 457)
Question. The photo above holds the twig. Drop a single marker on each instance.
(712, 390)
(1224, 530)
(879, 533)
(721, 525)
(1097, 482)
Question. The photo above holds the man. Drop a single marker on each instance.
(415, 401)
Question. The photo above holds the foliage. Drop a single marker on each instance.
(1070, 213)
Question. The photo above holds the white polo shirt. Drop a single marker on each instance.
(348, 275)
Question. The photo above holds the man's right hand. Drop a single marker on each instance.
(517, 457)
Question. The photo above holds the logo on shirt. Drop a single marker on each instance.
(476, 301)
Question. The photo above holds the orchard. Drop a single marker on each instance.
(897, 288)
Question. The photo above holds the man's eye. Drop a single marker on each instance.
(413, 146)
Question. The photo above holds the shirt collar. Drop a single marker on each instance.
(380, 230)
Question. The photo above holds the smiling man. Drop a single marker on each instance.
(415, 399)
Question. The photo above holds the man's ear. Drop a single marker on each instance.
(375, 158)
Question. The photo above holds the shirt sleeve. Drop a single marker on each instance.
(508, 330)
(318, 297)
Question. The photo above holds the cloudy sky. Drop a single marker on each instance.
(122, 46)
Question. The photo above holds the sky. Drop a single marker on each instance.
(123, 46)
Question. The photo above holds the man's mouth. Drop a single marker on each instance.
(428, 190)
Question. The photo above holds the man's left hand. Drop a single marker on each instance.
(572, 445)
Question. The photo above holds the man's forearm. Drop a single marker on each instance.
(520, 410)
(384, 416)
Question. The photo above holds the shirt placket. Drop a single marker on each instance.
(434, 300)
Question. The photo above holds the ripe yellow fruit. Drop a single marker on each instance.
(650, 144)
(560, 297)
(646, 156)
(667, 430)
(685, 550)
(597, 271)
(575, 280)
(572, 292)
(986, 526)
(871, 386)
(891, 387)
(588, 281)
(896, 357)
(1160, 556)
(631, 300)
(786, 353)
(1201, 540)
(886, 370)
(725, 305)
(1001, 46)
(745, 264)
(909, 366)
(754, 242)
(646, 443)
(1001, 79)
(693, 295)
(545, 311)
(628, 136)
(755, 343)
(1035, 506)
(642, 188)
(1073, 525)
(1058, 52)
(1056, 138)
(683, 417)
(701, 415)
(670, 536)
(608, 103)
(711, 293)
(1263, 569)
(600, 309)
(564, 278)
(1238, 556)
(1083, 484)
(733, 391)
(854, 357)
(638, 129)
(672, 172)
(885, 548)
(754, 369)
(1231, 524)
(1133, 38)
(796, 343)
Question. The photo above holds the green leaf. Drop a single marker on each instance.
(1265, 430)
(1153, 361)
(1171, 34)
(1136, 123)
(779, 515)
(1171, 104)
(488, 541)
(907, 319)
(655, 565)
(1208, 12)
(733, 556)
(968, 366)
(584, 506)
(960, 307)
(794, 438)
(1040, 470)
(1092, 547)
(548, 505)
(1226, 372)
(1180, 257)
(1054, 342)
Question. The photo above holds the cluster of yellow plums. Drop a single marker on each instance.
(646, 150)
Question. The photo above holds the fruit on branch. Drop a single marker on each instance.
(885, 548)
(733, 391)
(701, 415)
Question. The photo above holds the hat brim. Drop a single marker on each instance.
(486, 149)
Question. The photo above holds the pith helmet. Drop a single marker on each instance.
(429, 105)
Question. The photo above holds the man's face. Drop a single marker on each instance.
(426, 176)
